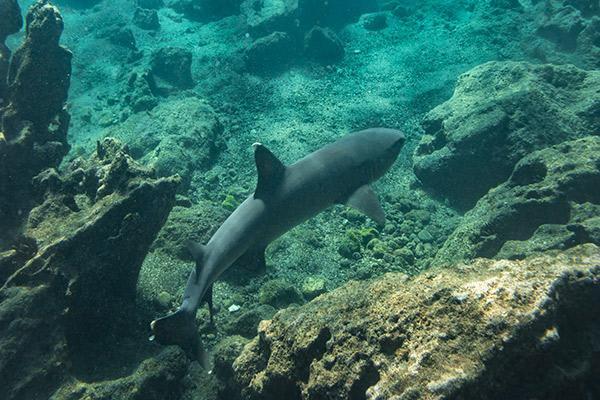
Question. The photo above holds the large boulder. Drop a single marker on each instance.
(69, 282)
(490, 329)
(500, 112)
(12, 21)
(550, 201)
(265, 17)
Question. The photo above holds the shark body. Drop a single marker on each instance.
(285, 196)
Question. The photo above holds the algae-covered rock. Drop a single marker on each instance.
(323, 45)
(500, 112)
(490, 329)
(69, 288)
(313, 286)
(172, 69)
(279, 294)
(541, 206)
(270, 53)
(246, 322)
(178, 137)
(267, 16)
(34, 121)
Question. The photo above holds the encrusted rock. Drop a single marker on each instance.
(173, 65)
(323, 45)
(34, 121)
(265, 17)
(551, 201)
(270, 53)
(500, 112)
(146, 19)
(491, 329)
(89, 237)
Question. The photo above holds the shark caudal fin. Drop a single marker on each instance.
(179, 328)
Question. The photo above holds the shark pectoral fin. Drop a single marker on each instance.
(365, 200)
(270, 171)
(208, 298)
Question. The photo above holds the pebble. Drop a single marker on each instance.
(233, 308)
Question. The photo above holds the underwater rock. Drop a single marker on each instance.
(91, 233)
(374, 21)
(563, 27)
(333, 13)
(172, 69)
(245, 324)
(139, 94)
(500, 112)
(156, 378)
(491, 329)
(279, 294)
(146, 19)
(10, 14)
(34, 122)
(265, 17)
(270, 53)
(205, 10)
(313, 286)
(178, 137)
(323, 46)
(119, 36)
(538, 208)
(225, 353)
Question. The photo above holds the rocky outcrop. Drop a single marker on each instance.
(270, 53)
(33, 135)
(10, 14)
(171, 69)
(500, 112)
(550, 201)
(490, 329)
(69, 281)
(178, 137)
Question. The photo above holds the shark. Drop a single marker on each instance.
(286, 195)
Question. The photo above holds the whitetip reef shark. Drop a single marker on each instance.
(285, 196)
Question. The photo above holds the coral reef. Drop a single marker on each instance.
(490, 329)
(500, 112)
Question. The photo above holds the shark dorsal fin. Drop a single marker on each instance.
(270, 171)
(365, 200)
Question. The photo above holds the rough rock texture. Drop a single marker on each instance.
(178, 137)
(33, 134)
(173, 65)
(205, 10)
(265, 17)
(323, 45)
(10, 15)
(500, 112)
(551, 201)
(491, 329)
(69, 282)
(270, 53)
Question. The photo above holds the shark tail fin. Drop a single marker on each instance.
(179, 328)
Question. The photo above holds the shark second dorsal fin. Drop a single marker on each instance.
(270, 171)
(365, 200)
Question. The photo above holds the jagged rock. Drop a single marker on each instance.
(88, 238)
(500, 112)
(119, 36)
(206, 10)
(33, 135)
(545, 204)
(279, 293)
(172, 69)
(10, 14)
(139, 94)
(374, 21)
(265, 17)
(270, 53)
(563, 27)
(146, 19)
(178, 137)
(323, 45)
(491, 329)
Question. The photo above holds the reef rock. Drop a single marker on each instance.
(205, 10)
(69, 282)
(550, 201)
(490, 329)
(33, 135)
(500, 112)
(265, 17)
(323, 45)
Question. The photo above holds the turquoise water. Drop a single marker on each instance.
(141, 137)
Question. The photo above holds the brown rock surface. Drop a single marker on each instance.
(490, 329)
